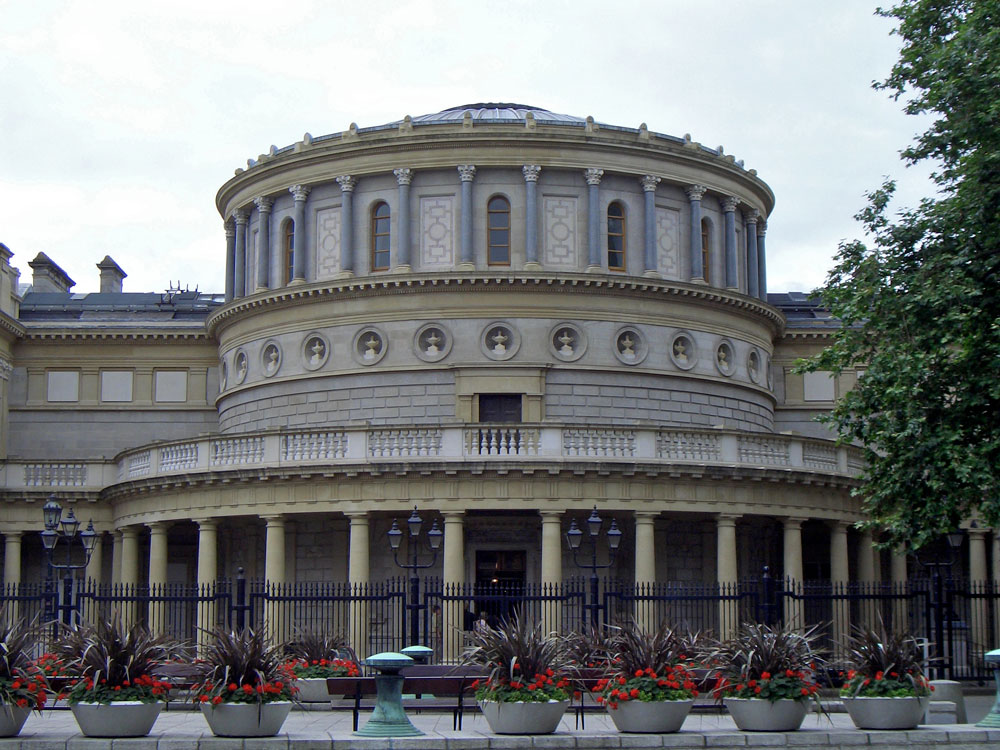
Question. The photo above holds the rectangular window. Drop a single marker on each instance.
(170, 386)
(116, 386)
(818, 386)
(504, 408)
(62, 386)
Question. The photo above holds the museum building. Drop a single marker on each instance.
(501, 315)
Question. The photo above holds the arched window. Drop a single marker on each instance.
(706, 231)
(616, 237)
(380, 237)
(288, 250)
(498, 231)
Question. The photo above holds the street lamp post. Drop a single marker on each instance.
(954, 540)
(66, 530)
(433, 542)
(574, 538)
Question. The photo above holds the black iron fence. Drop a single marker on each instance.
(958, 621)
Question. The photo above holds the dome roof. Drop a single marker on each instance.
(496, 111)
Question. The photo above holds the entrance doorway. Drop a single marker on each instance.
(499, 583)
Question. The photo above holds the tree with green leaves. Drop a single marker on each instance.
(919, 301)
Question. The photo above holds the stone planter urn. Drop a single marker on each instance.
(658, 717)
(246, 719)
(761, 715)
(523, 718)
(886, 713)
(119, 719)
(12, 718)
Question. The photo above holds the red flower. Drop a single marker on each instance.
(634, 692)
(217, 700)
(765, 675)
(805, 691)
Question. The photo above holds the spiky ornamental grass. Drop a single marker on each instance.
(646, 667)
(767, 662)
(113, 662)
(881, 663)
(242, 666)
(590, 647)
(526, 664)
(319, 655)
(22, 683)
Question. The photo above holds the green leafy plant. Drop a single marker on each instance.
(645, 667)
(242, 666)
(318, 655)
(526, 664)
(22, 682)
(767, 662)
(111, 662)
(883, 664)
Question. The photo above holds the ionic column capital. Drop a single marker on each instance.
(241, 216)
(264, 204)
(301, 192)
(531, 172)
(729, 203)
(695, 192)
(593, 175)
(404, 175)
(466, 172)
(752, 216)
(649, 182)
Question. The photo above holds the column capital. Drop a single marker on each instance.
(593, 175)
(241, 215)
(646, 515)
(761, 228)
(793, 522)
(649, 182)
(466, 172)
(729, 203)
(453, 515)
(695, 192)
(752, 216)
(347, 183)
(230, 229)
(978, 533)
(264, 204)
(557, 514)
(274, 520)
(356, 514)
(838, 525)
(727, 519)
(300, 192)
(159, 527)
(207, 523)
(404, 175)
(128, 531)
(531, 172)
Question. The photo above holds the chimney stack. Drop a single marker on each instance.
(111, 276)
(46, 276)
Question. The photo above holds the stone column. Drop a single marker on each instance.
(240, 216)
(593, 177)
(531, 172)
(208, 574)
(551, 567)
(230, 230)
(645, 569)
(996, 580)
(867, 578)
(404, 177)
(727, 572)
(274, 577)
(761, 261)
(130, 571)
(694, 194)
(116, 557)
(729, 204)
(979, 580)
(95, 566)
(649, 183)
(900, 618)
(467, 261)
(840, 576)
(264, 206)
(450, 646)
(753, 286)
(358, 575)
(300, 193)
(792, 555)
(157, 574)
(12, 570)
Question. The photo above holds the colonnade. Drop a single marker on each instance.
(237, 235)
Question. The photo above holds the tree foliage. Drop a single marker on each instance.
(920, 302)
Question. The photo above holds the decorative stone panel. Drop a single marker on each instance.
(315, 351)
(683, 352)
(567, 342)
(241, 364)
(500, 341)
(560, 232)
(668, 242)
(328, 243)
(437, 232)
(432, 342)
(725, 358)
(629, 346)
(270, 358)
(369, 347)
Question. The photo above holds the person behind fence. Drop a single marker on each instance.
(436, 632)
(482, 625)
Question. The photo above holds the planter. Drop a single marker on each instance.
(312, 690)
(12, 718)
(523, 718)
(760, 715)
(886, 713)
(123, 719)
(649, 717)
(246, 719)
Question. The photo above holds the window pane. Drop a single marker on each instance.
(499, 237)
(498, 204)
(615, 226)
(616, 260)
(381, 242)
(615, 244)
(499, 220)
(382, 210)
(381, 259)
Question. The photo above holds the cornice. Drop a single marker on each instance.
(10, 327)
(48, 332)
(368, 286)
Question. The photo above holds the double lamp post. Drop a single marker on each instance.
(67, 531)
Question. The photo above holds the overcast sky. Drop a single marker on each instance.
(120, 120)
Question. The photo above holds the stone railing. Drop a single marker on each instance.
(459, 443)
